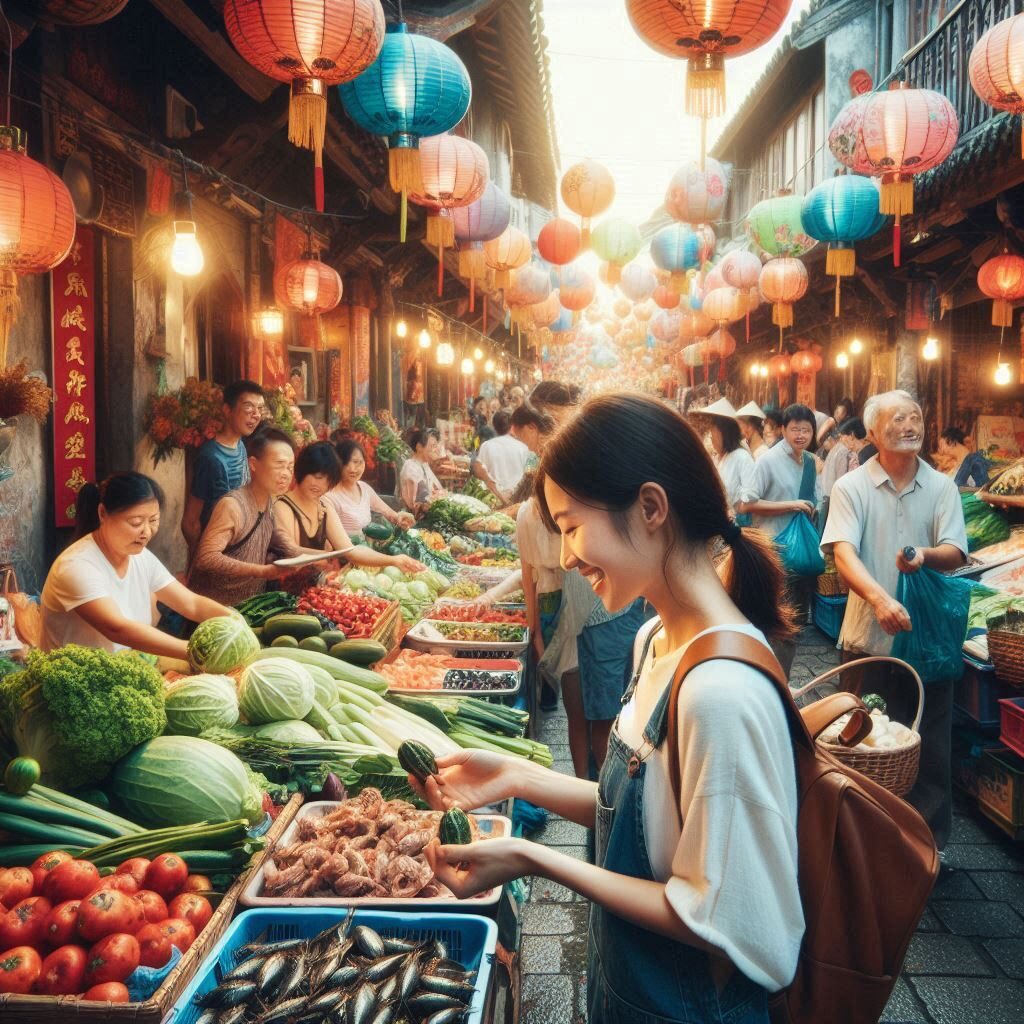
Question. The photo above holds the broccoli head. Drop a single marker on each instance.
(78, 710)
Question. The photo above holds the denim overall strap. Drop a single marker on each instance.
(636, 976)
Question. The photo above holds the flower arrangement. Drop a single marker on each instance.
(184, 418)
(22, 395)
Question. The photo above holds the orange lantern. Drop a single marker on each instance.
(694, 323)
(37, 224)
(725, 305)
(509, 251)
(309, 286)
(576, 289)
(996, 67)
(1002, 280)
(780, 365)
(805, 362)
(588, 190)
(545, 313)
(312, 44)
(559, 241)
(665, 297)
(783, 281)
(621, 308)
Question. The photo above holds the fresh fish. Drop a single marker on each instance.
(344, 976)
(427, 1003)
(362, 1004)
(438, 950)
(387, 992)
(408, 979)
(386, 1014)
(271, 974)
(449, 1016)
(324, 968)
(281, 1011)
(447, 986)
(233, 1016)
(208, 1017)
(384, 967)
(334, 935)
(294, 975)
(227, 994)
(325, 1002)
(393, 945)
(266, 948)
(368, 942)
(246, 969)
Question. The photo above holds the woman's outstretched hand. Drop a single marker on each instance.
(472, 869)
(470, 779)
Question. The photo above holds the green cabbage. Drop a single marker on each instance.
(326, 689)
(420, 591)
(182, 780)
(356, 579)
(394, 572)
(274, 690)
(289, 731)
(222, 644)
(201, 702)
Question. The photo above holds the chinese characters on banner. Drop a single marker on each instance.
(74, 370)
(361, 360)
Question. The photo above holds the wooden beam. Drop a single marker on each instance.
(217, 48)
(336, 149)
(877, 289)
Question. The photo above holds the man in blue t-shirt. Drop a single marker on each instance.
(222, 464)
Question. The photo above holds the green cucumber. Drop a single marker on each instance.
(332, 637)
(313, 643)
(338, 669)
(298, 626)
(284, 641)
(359, 652)
(417, 760)
(455, 829)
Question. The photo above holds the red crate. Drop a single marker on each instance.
(1011, 724)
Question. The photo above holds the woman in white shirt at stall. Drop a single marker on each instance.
(734, 463)
(353, 499)
(417, 482)
(102, 590)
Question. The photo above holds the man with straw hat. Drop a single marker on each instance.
(751, 421)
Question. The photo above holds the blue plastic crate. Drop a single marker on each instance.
(470, 940)
(828, 614)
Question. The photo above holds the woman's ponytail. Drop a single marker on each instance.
(87, 510)
(755, 580)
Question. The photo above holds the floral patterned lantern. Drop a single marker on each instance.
(842, 210)
(783, 282)
(576, 290)
(616, 241)
(509, 251)
(697, 195)
(310, 286)
(665, 297)
(996, 67)
(776, 228)
(311, 44)
(637, 282)
(588, 189)
(559, 242)
(676, 250)
(1002, 279)
(664, 326)
(742, 269)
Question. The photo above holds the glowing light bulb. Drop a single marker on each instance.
(856, 347)
(401, 329)
(424, 338)
(755, 369)
(930, 351)
(538, 375)
(1003, 375)
(842, 361)
(467, 366)
(500, 376)
(478, 353)
(489, 366)
(764, 371)
(445, 354)
(269, 322)
(186, 253)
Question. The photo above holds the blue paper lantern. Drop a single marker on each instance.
(416, 87)
(676, 249)
(841, 211)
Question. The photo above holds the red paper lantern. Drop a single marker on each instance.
(996, 67)
(312, 44)
(805, 362)
(783, 281)
(559, 241)
(665, 297)
(37, 224)
(309, 286)
(780, 366)
(1002, 280)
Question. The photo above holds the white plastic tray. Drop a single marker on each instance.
(447, 691)
(418, 639)
(492, 824)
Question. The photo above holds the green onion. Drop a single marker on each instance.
(45, 832)
(46, 813)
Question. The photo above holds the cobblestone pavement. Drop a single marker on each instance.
(964, 966)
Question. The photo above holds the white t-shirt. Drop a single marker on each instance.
(730, 872)
(505, 460)
(736, 468)
(426, 481)
(81, 573)
(539, 547)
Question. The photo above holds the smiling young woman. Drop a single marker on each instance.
(697, 913)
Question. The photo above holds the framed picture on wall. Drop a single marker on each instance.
(303, 376)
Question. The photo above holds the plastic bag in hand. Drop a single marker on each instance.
(938, 607)
(798, 545)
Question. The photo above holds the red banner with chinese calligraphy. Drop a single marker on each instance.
(74, 370)
(361, 360)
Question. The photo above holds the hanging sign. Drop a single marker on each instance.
(73, 307)
(361, 361)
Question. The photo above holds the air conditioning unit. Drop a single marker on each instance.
(181, 119)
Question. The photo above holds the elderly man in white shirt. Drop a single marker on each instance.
(893, 502)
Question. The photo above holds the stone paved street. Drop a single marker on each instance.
(964, 966)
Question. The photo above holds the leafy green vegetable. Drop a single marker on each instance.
(289, 731)
(202, 702)
(985, 524)
(182, 780)
(78, 710)
(447, 516)
(222, 644)
(275, 690)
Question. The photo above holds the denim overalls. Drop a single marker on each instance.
(635, 976)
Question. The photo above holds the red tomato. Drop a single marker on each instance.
(25, 923)
(63, 972)
(193, 908)
(108, 992)
(16, 884)
(181, 933)
(62, 924)
(136, 867)
(113, 958)
(107, 911)
(154, 907)
(154, 945)
(19, 969)
(122, 883)
(198, 883)
(166, 875)
(42, 866)
(72, 880)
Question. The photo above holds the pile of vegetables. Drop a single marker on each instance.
(222, 644)
(409, 543)
(71, 932)
(260, 607)
(495, 522)
(357, 615)
(491, 558)
(448, 516)
(477, 490)
(985, 524)
(78, 710)
(414, 592)
(990, 604)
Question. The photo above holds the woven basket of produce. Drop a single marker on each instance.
(1006, 646)
(891, 754)
(386, 629)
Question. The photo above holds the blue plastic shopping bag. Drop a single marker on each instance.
(938, 607)
(798, 545)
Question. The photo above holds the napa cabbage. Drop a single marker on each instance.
(274, 690)
(289, 731)
(198, 703)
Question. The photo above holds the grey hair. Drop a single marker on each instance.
(876, 403)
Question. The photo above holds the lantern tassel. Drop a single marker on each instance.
(10, 307)
(614, 273)
(502, 279)
(318, 180)
(584, 233)
(405, 173)
(840, 262)
(440, 269)
(748, 326)
(782, 314)
(1002, 313)
(472, 294)
(440, 231)
(781, 332)
(307, 114)
(838, 284)
(677, 281)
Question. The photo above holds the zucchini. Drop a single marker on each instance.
(454, 829)
(332, 637)
(314, 643)
(284, 641)
(338, 669)
(417, 760)
(359, 652)
(378, 531)
(298, 626)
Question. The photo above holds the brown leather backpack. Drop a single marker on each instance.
(867, 860)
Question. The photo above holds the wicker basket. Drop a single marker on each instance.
(50, 1009)
(896, 770)
(830, 583)
(387, 630)
(1006, 646)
